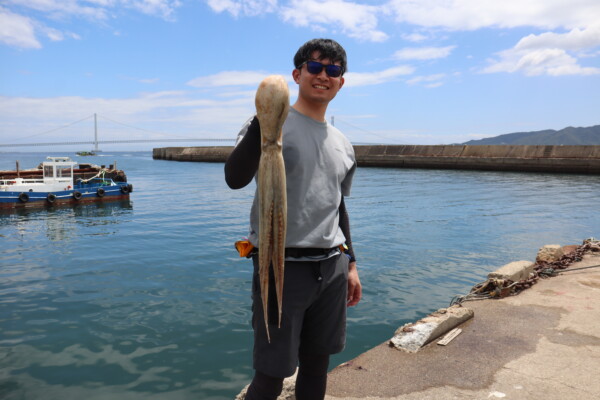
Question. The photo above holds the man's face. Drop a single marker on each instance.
(319, 87)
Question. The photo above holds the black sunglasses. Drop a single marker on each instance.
(315, 67)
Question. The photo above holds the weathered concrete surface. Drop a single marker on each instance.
(411, 337)
(541, 344)
(515, 271)
(549, 253)
(571, 159)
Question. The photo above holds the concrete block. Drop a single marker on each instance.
(515, 271)
(550, 253)
(411, 337)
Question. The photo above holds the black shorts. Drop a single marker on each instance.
(313, 319)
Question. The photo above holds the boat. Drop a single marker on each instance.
(59, 180)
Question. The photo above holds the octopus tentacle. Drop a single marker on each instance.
(272, 105)
(278, 250)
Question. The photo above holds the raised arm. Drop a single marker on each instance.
(242, 163)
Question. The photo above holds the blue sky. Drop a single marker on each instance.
(420, 72)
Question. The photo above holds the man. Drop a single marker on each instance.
(321, 279)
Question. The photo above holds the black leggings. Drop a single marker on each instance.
(311, 382)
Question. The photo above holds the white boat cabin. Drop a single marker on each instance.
(58, 176)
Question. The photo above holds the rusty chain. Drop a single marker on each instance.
(499, 288)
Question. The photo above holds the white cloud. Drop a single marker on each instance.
(549, 54)
(229, 78)
(99, 9)
(72, 107)
(230, 6)
(161, 8)
(576, 39)
(590, 54)
(241, 93)
(355, 79)
(65, 8)
(423, 53)
(429, 80)
(140, 80)
(477, 14)
(160, 110)
(149, 80)
(18, 31)
(553, 62)
(239, 8)
(53, 34)
(355, 20)
(253, 78)
(414, 37)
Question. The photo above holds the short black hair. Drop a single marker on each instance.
(327, 48)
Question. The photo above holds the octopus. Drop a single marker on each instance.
(272, 105)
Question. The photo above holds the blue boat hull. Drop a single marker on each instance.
(79, 194)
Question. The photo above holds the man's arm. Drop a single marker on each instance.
(242, 163)
(354, 286)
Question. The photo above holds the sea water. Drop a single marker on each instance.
(147, 298)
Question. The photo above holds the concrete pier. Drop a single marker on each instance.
(564, 159)
(542, 344)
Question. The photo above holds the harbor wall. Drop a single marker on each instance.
(525, 158)
(199, 154)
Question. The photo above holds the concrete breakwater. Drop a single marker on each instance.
(540, 158)
(199, 153)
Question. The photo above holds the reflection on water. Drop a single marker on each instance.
(103, 208)
(64, 222)
(148, 299)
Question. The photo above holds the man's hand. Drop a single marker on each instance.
(354, 286)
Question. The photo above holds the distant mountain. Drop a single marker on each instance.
(566, 136)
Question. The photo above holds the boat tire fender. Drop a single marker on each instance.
(51, 198)
(77, 195)
(24, 197)
(100, 192)
(125, 189)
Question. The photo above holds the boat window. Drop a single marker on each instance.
(47, 171)
(63, 171)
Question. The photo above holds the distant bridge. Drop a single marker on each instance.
(113, 142)
(96, 142)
